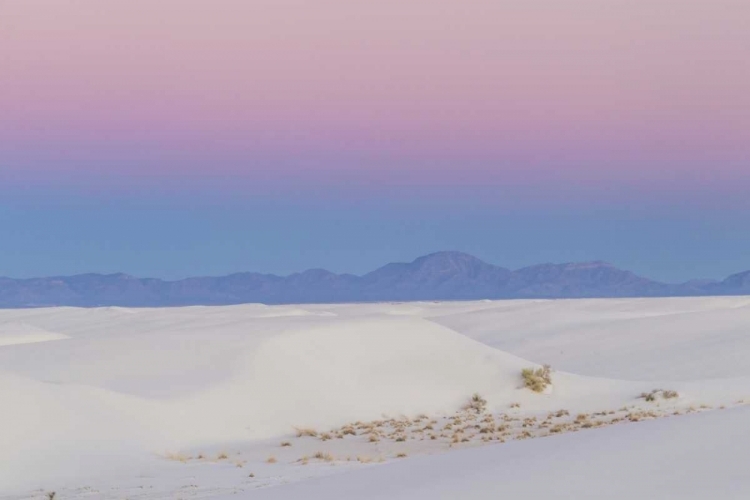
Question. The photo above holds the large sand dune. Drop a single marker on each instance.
(102, 396)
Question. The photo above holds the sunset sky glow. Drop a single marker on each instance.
(351, 120)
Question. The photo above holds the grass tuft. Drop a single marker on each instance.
(537, 379)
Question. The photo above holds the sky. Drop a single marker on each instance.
(174, 138)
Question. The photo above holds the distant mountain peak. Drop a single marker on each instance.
(456, 259)
(446, 275)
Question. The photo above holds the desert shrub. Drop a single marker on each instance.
(306, 432)
(477, 403)
(284, 444)
(327, 457)
(652, 396)
(537, 379)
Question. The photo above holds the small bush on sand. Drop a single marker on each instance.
(179, 457)
(303, 432)
(327, 457)
(477, 403)
(285, 444)
(651, 396)
(537, 379)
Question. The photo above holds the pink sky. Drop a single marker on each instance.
(643, 93)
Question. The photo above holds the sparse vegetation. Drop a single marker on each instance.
(306, 432)
(653, 395)
(271, 460)
(477, 404)
(537, 379)
(326, 457)
(178, 457)
(473, 423)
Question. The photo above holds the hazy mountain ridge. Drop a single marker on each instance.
(438, 276)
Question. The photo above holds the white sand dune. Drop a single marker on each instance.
(634, 339)
(128, 385)
(21, 333)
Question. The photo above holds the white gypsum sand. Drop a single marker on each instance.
(198, 401)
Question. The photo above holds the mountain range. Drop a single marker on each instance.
(438, 276)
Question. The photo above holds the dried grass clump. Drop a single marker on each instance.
(285, 444)
(178, 457)
(477, 404)
(271, 460)
(537, 379)
(326, 436)
(326, 457)
(306, 432)
(652, 396)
